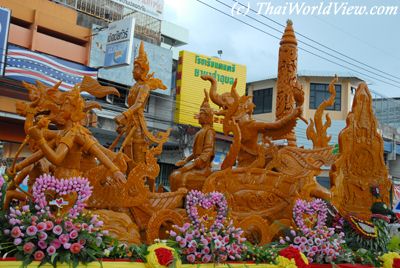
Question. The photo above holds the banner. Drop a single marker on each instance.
(4, 27)
(29, 66)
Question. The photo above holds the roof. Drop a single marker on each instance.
(308, 73)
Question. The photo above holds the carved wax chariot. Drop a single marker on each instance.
(130, 211)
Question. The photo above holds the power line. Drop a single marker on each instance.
(312, 53)
(314, 41)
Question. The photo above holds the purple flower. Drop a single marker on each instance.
(17, 241)
(67, 245)
(42, 244)
(172, 233)
(182, 243)
(64, 238)
(56, 243)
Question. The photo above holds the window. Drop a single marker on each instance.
(319, 93)
(262, 98)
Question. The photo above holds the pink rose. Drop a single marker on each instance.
(51, 250)
(75, 248)
(57, 230)
(49, 225)
(42, 236)
(31, 230)
(73, 234)
(41, 226)
(28, 248)
(39, 255)
(191, 258)
(15, 232)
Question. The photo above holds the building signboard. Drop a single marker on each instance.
(189, 85)
(160, 60)
(153, 8)
(119, 42)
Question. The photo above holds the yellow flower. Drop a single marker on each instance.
(285, 262)
(304, 258)
(388, 259)
(152, 260)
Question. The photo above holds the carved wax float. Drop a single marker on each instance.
(119, 191)
(360, 165)
(193, 175)
(262, 189)
(60, 151)
(153, 213)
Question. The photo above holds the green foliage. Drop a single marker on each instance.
(118, 250)
(364, 256)
(357, 241)
(263, 254)
(394, 244)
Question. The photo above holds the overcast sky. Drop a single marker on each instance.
(372, 40)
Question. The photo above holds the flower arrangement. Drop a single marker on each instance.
(196, 198)
(62, 187)
(160, 255)
(391, 259)
(318, 242)
(196, 242)
(3, 186)
(33, 232)
(295, 254)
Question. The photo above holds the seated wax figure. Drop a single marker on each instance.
(197, 167)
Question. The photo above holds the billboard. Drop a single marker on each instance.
(160, 60)
(4, 26)
(119, 42)
(153, 8)
(190, 87)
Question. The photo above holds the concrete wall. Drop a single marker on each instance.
(41, 25)
(305, 81)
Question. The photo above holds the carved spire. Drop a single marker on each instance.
(289, 36)
(141, 59)
(289, 91)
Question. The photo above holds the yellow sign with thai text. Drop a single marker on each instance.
(190, 87)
